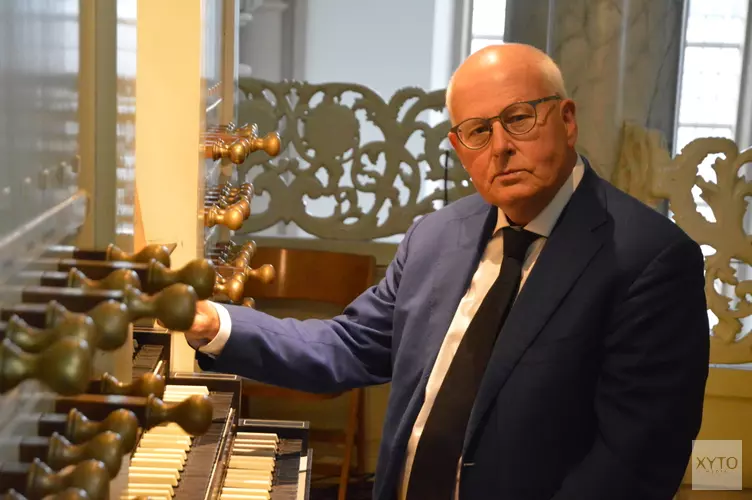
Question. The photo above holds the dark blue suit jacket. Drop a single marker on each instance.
(595, 387)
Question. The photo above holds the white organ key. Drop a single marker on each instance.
(175, 438)
(171, 442)
(254, 445)
(151, 478)
(148, 490)
(154, 470)
(241, 493)
(242, 496)
(146, 461)
(172, 452)
(186, 389)
(258, 435)
(262, 463)
(170, 429)
(128, 495)
(256, 453)
(265, 484)
(176, 393)
(160, 460)
(264, 474)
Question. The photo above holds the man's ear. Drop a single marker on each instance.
(569, 117)
(453, 139)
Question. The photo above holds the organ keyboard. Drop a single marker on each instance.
(235, 459)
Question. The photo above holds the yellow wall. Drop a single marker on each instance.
(728, 413)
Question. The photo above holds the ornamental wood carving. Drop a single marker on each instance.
(379, 162)
(727, 270)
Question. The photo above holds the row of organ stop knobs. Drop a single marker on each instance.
(227, 205)
(74, 303)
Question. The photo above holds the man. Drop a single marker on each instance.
(589, 388)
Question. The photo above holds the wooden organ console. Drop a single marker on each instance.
(99, 394)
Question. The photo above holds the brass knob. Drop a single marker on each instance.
(244, 204)
(232, 217)
(242, 259)
(105, 327)
(242, 201)
(89, 475)
(244, 255)
(158, 252)
(112, 321)
(149, 383)
(244, 190)
(248, 130)
(229, 127)
(193, 414)
(270, 144)
(236, 152)
(199, 274)
(106, 447)
(232, 288)
(65, 367)
(34, 340)
(116, 280)
(249, 302)
(124, 423)
(174, 307)
(265, 274)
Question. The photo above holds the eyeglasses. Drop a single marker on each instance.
(518, 118)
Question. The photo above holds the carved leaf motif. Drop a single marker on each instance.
(726, 235)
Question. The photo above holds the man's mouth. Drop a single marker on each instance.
(509, 173)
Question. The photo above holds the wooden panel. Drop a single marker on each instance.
(727, 416)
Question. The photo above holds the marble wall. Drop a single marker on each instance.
(620, 60)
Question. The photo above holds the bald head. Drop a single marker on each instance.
(513, 63)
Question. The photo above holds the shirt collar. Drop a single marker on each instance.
(545, 221)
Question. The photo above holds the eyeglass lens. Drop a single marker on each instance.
(516, 119)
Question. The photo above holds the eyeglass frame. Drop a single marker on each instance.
(534, 103)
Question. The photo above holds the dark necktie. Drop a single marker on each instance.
(434, 470)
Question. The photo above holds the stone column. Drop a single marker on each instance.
(619, 58)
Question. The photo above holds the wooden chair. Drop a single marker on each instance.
(331, 278)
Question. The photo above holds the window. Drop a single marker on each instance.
(488, 21)
(711, 77)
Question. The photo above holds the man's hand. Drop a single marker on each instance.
(205, 325)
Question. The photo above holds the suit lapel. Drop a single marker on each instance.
(570, 247)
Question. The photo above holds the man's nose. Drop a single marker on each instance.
(500, 141)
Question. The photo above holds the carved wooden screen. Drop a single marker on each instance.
(378, 182)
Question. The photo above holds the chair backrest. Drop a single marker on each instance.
(312, 275)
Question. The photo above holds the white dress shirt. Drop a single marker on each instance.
(486, 273)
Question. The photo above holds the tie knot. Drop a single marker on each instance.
(517, 241)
